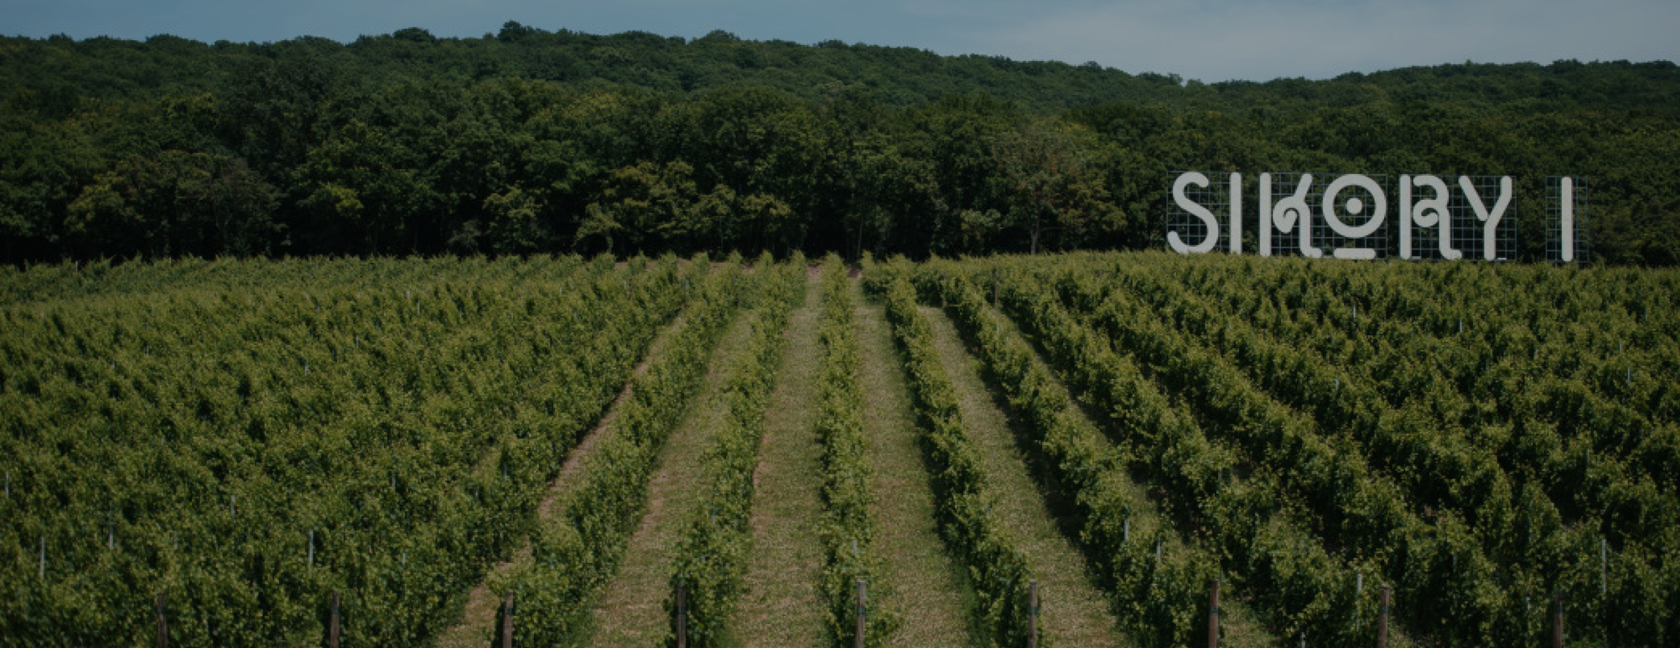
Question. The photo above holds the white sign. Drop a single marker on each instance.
(1350, 216)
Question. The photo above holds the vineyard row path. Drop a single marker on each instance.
(930, 591)
(630, 610)
(1239, 626)
(1074, 612)
(780, 605)
(475, 626)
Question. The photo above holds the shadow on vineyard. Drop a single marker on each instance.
(336, 451)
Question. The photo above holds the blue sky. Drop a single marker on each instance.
(1210, 40)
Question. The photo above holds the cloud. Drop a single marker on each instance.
(1210, 40)
(1216, 41)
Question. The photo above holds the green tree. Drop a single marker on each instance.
(362, 184)
(42, 169)
(1048, 173)
(640, 206)
(175, 203)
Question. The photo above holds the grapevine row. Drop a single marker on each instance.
(1158, 579)
(94, 279)
(712, 548)
(1506, 360)
(998, 571)
(1362, 510)
(847, 528)
(1522, 530)
(1431, 460)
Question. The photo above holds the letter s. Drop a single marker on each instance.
(1185, 203)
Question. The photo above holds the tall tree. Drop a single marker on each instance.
(1051, 180)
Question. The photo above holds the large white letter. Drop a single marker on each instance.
(1293, 212)
(1490, 221)
(1567, 227)
(1431, 212)
(1188, 205)
(1355, 207)
(1406, 217)
(1265, 214)
(1236, 213)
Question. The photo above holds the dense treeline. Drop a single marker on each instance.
(529, 140)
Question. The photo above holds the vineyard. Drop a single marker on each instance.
(1061, 450)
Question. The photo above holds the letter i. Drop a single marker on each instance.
(1236, 213)
(1406, 217)
(1568, 224)
(1265, 214)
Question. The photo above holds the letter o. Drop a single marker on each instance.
(1379, 211)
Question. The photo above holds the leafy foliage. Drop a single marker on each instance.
(268, 432)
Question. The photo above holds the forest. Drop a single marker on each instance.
(536, 141)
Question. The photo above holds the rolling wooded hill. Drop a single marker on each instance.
(536, 141)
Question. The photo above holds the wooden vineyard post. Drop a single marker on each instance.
(1032, 613)
(1382, 619)
(862, 612)
(682, 617)
(163, 625)
(507, 621)
(1557, 618)
(1213, 615)
(332, 623)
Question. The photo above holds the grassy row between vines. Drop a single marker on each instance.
(998, 570)
(1158, 593)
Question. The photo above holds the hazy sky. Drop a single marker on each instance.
(1210, 40)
